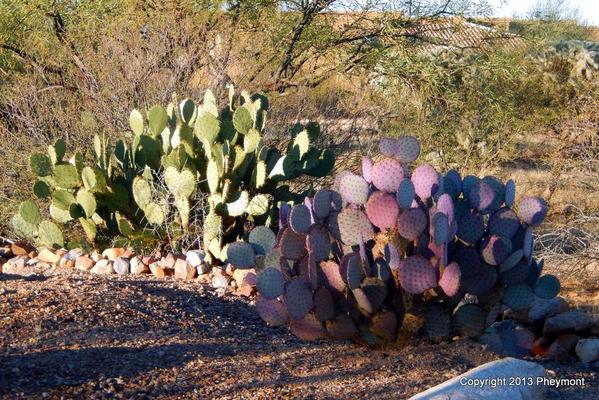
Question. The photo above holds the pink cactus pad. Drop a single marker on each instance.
(426, 181)
(354, 189)
(450, 280)
(273, 312)
(411, 223)
(495, 249)
(387, 174)
(382, 210)
(532, 210)
(417, 275)
(388, 146)
(481, 195)
(367, 169)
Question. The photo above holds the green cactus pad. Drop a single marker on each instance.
(207, 128)
(300, 144)
(22, 228)
(40, 164)
(87, 201)
(180, 184)
(57, 151)
(251, 141)
(157, 120)
(93, 179)
(518, 297)
(384, 325)
(187, 109)
(136, 122)
(30, 213)
(241, 255)
(469, 320)
(142, 193)
(273, 312)
(318, 243)
(212, 176)
(437, 323)
(547, 287)
(242, 120)
(300, 219)
(50, 235)
(63, 199)
(125, 226)
(66, 176)
(258, 205)
(307, 328)
(41, 189)
(89, 227)
(298, 298)
(271, 283)
(60, 215)
(324, 305)
(154, 214)
(259, 175)
(341, 328)
(239, 205)
(262, 239)
(293, 245)
(354, 224)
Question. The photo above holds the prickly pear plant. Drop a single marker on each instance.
(351, 261)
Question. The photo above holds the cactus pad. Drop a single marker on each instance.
(417, 275)
(504, 222)
(532, 210)
(354, 273)
(367, 169)
(426, 181)
(445, 205)
(437, 323)
(298, 298)
(518, 297)
(271, 283)
(547, 287)
(440, 228)
(510, 193)
(387, 174)
(376, 291)
(384, 325)
(322, 203)
(341, 328)
(405, 194)
(353, 189)
(318, 243)
(478, 280)
(452, 183)
(469, 320)
(180, 184)
(450, 280)
(49, 234)
(241, 255)
(471, 227)
(273, 312)
(333, 279)
(354, 224)
(382, 210)
(324, 305)
(528, 243)
(515, 275)
(307, 328)
(411, 223)
(40, 164)
(300, 219)
(408, 149)
(30, 213)
(293, 245)
(481, 195)
(511, 261)
(262, 239)
(495, 249)
(388, 147)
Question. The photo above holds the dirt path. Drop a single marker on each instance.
(70, 335)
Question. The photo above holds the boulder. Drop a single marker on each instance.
(220, 281)
(561, 347)
(20, 248)
(137, 266)
(69, 259)
(84, 263)
(103, 267)
(48, 256)
(15, 266)
(195, 258)
(240, 276)
(588, 350)
(568, 322)
(157, 269)
(121, 265)
(113, 253)
(545, 308)
(184, 270)
(487, 382)
(169, 261)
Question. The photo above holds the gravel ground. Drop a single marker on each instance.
(76, 335)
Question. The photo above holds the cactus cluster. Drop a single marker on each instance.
(351, 261)
(134, 187)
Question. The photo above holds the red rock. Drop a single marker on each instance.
(148, 260)
(230, 270)
(21, 248)
(245, 290)
(562, 346)
(169, 261)
(84, 263)
(157, 269)
(239, 275)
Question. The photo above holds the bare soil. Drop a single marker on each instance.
(66, 334)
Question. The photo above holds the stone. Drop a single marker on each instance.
(239, 275)
(540, 347)
(545, 308)
(137, 266)
(195, 258)
(157, 269)
(229, 270)
(103, 267)
(148, 260)
(568, 322)
(113, 253)
(69, 259)
(205, 278)
(184, 270)
(47, 255)
(6, 252)
(61, 252)
(20, 248)
(169, 261)
(245, 290)
(468, 385)
(561, 347)
(96, 256)
(15, 266)
(84, 263)
(121, 265)
(588, 350)
(220, 281)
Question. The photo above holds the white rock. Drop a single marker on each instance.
(184, 270)
(121, 265)
(588, 349)
(103, 267)
(195, 258)
(138, 267)
(464, 387)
